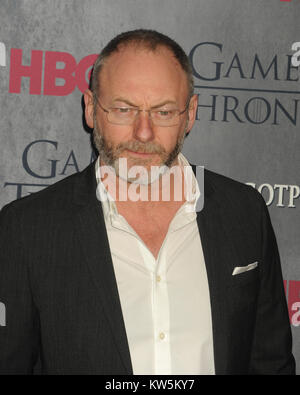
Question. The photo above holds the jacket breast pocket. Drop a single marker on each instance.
(244, 275)
(242, 293)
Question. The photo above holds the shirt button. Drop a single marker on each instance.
(162, 336)
(158, 278)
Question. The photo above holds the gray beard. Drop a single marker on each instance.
(111, 158)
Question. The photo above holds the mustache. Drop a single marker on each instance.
(137, 146)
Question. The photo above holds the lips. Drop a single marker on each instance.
(141, 154)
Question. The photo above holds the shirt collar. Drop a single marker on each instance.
(108, 204)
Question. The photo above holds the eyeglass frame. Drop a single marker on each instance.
(139, 111)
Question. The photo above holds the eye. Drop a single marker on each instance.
(123, 110)
(164, 114)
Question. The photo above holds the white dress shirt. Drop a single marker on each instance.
(165, 301)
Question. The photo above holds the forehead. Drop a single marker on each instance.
(142, 74)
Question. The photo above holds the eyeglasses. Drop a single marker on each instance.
(127, 115)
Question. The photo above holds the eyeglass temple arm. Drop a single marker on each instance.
(99, 104)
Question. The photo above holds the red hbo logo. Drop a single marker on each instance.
(44, 68)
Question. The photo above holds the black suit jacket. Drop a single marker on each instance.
(62, 304)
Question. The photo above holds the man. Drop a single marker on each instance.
(97, 284)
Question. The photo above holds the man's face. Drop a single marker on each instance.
(136, 77)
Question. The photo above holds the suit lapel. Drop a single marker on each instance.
(210, 237)
(218, 250)
(92, 236)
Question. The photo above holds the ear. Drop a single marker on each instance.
(192, 111)
(89, 108)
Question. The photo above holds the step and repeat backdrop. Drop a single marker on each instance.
(246, 63)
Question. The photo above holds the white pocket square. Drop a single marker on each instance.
(243, 269)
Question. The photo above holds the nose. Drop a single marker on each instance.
(143, 130)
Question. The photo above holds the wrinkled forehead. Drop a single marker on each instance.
(139, 71)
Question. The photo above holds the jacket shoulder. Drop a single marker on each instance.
(228, 190)
(57, 197)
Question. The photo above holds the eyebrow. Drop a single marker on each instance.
(123, 100)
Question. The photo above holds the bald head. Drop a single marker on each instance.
(136, 75)
(149, 40)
